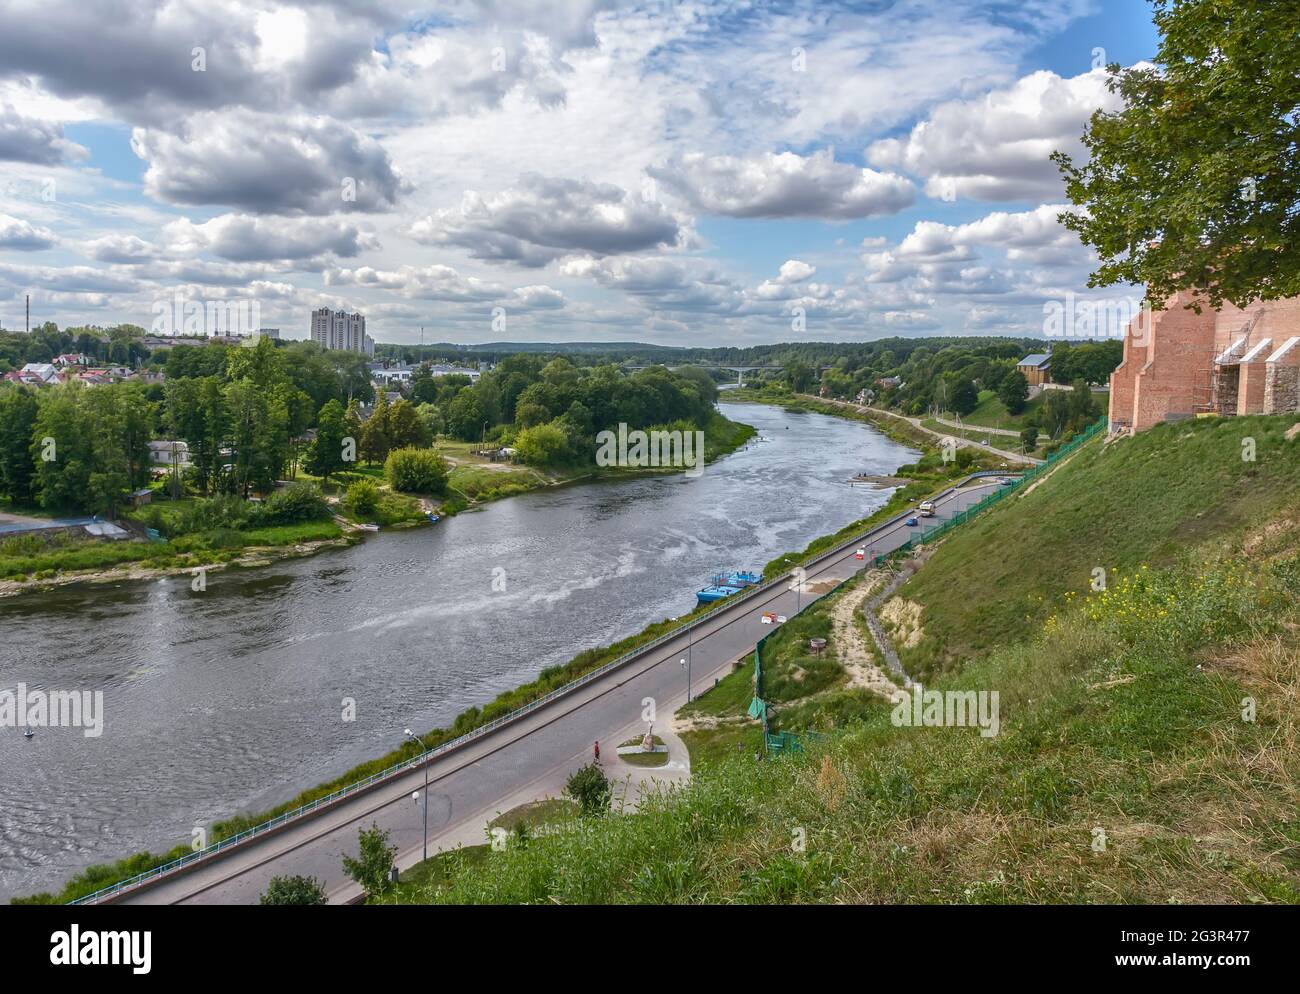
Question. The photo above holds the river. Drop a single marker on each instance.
(231, 699)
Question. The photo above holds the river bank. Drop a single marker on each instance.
(141, 561)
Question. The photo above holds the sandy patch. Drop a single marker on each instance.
(904, 619)
(851, 647)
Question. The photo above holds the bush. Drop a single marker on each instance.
(416, 471)
(590, 789)
(363, 497)
(296, 890)
(296, 502)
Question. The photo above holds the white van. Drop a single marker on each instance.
(927, 509)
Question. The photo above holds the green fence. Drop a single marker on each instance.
(785, 742)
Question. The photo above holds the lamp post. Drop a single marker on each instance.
(686, 665)
(411, 735)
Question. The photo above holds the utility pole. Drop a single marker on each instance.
(29, 314)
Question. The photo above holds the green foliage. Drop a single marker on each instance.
(1013, 391)
(295, 890)
(373, 866)
(417, 471)
(297, 502)
(363, 496)
(1193, 184)
(543, 446)
(590, 788)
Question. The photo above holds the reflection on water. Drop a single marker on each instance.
(231, 699)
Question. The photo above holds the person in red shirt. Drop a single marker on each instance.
(596, 750)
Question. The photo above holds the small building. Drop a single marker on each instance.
(141, 497)
(1036, 368)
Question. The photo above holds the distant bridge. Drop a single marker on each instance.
(740, 369)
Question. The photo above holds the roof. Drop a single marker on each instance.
(1037, 360)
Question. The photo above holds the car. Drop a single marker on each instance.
(1006, 481)
(927, 509)
(911, 522)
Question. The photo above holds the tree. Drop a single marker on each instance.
(375, 441)
(296, 890)
(1029, 438)
(962, 395)
(542, 446)
(327, 452)
(1193, 184)
(416, 471)
(590, 789)
(1014, 391)
(18, 412)
(373, 867)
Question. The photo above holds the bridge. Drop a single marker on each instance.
(740, 369)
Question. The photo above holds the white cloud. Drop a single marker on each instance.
(23, 236)
(996, 146)
(543, 218)
(784, 185)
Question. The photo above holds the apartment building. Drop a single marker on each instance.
(340, 330)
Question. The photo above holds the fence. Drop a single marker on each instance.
(785, 742)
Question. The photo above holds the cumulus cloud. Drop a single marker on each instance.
(544, 218)
(439, 282)
(41, 143)
(268, 165)
(658, 282)
(996, 147)
(23, 236)
(784, 185)
(248, 238)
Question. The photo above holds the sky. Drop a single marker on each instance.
(690, 173)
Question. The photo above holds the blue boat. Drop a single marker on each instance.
(725, 584)
(434, 518)
(715, 593)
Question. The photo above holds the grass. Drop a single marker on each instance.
(537, 814)
(20, 559)
(644, 758)
(1121, 713)
(1110, 507)
(990, 412)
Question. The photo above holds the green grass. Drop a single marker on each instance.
(1121, 713)
(537, 814)
(731, 695)
(644, 758)
(1136, 500)
(66, 554)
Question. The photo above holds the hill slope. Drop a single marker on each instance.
(1137, 500)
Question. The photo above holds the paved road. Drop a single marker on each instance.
(522, 760)
(975, 428)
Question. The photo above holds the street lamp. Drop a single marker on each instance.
(686, 665)
(411, 735)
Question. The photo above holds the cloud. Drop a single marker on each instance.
(41, 143)
(544, 218)
(784, 185)
(794, 271)
(996, 147)
(247, 238)
(685, 285)
(121, 249)
(23, 236)
(268, 165)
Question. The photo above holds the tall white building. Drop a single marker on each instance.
(340, 330)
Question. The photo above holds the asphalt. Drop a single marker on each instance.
(525, 760)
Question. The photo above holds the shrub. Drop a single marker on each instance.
(363, 496)
(297, 890)
(418, 471)
(590, 789)
(296, 502)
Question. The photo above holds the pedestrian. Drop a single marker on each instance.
(596, 750)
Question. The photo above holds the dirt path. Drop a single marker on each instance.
(851, 647)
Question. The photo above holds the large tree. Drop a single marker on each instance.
(1196, 182)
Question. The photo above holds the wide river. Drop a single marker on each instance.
(231, 699)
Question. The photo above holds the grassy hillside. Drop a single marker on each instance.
(1147, 749)
(1123, 771)
(1138, 500)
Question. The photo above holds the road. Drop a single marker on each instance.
(523, 760)
(916, 423)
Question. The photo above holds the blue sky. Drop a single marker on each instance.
(681, 173)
